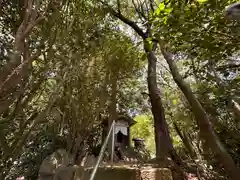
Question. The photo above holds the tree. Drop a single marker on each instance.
(67, 65)
(163, 141)
(203, 121)
(204, 124)
(66, 88)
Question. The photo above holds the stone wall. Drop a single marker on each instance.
(128, 173)
(156, 174)
(108, 173)
(116, 173)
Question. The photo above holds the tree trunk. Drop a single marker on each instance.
(163, 141)
(113, 108)
(185, 141)
(206, 130)
(15, 70)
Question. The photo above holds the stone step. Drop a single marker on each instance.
(114, 173)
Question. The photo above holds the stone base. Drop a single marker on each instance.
(156, 174)
(110, 173)
(128, 173)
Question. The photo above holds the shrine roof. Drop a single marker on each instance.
(127, 118)
(138, 139)
(122, 117)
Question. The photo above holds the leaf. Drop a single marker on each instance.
(175, 102)
(202, 1)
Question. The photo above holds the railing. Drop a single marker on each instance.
(111, 131)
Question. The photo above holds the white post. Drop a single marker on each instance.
(113, 143)
(100, 156)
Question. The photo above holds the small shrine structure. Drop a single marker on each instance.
(138, 143)
(122, 130)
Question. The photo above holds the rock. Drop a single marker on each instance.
(69, 173)
(52, 162)
(90, 161)
(156, 174)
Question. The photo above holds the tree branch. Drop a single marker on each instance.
(31, 26)
(228, 66)
(140, 12)
(127, 21)
(119, 6)
(17, 70)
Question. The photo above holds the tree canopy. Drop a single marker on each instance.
(66, 65)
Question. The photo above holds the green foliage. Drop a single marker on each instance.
(203, 43)
(66, 87)
(58, 99)
(37, 149)
(144, 129)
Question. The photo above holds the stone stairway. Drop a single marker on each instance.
(113, 173)
(57, 167)
(129, 173)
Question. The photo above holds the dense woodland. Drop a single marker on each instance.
(172, 65)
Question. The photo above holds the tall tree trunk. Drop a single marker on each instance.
(113, 108)
(206, 130)
(163, 141)
(185, 140)
(102, 101)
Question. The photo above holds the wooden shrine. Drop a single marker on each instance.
(122, 130)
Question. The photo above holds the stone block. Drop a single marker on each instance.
(156, 174)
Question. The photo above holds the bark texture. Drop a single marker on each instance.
(162, 138)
